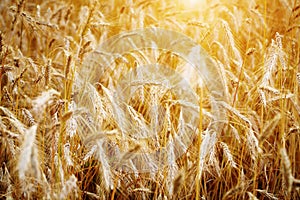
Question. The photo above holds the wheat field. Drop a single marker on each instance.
(88, 111)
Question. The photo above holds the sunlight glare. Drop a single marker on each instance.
(193, 4)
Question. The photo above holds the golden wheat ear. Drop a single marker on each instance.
(288, 178)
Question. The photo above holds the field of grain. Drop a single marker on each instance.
(115, 99)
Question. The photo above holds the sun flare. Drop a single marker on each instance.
(194, 4)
